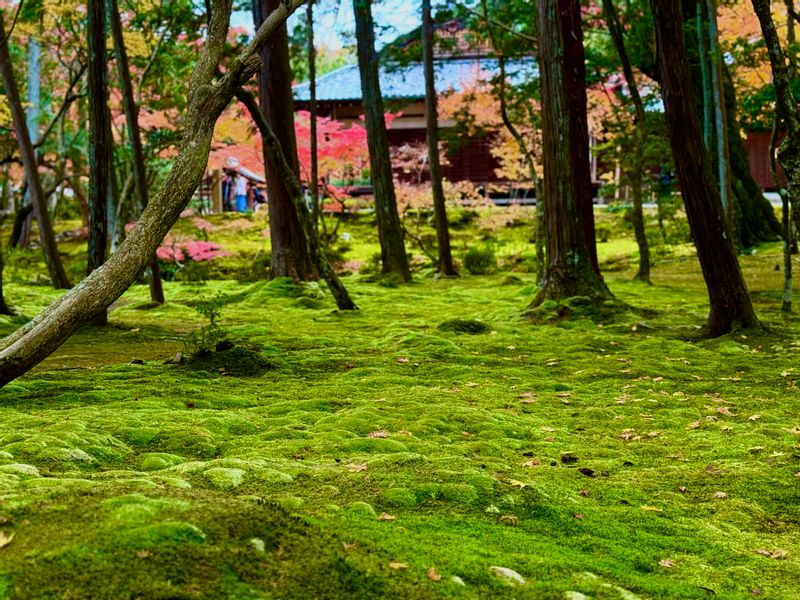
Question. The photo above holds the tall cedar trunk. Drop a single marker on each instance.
(445, 266)
(637, 168)
(100, 143)
(572, 268)
(787, 112)
(729, 300)
(315, 252)
(754, 220)
(390, 231)
(313, 185)
(132, 119)
(289, 250)
(54, 267)
(31, 343)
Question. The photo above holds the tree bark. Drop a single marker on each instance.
(788, 112)
(390, 231)
(637, 168)
(54, 267)
(132, 119)
(101, 145)
(289, 249)
(34, 341)
(445, 266)
(730, 302)
(284, 170)
(572, 268)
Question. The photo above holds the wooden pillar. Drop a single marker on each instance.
(216, 192)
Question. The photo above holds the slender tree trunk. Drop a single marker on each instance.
(786, 223)
(318, 258)
(730, 302)
(100, 142)
(313, 185)
(720, 117)
(445, 266)
(788, 113)
(572, 268)
(5, 309)
(637, 168)
(289, 250)
(132, 119)
(54, 267)
(390, 231)
(753, 219)
(33, 342)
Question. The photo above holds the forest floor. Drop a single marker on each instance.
(433, 444)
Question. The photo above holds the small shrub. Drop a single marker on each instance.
(480, 260)
(602, 233)
(204, 340)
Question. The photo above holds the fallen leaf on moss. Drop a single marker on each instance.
(356, 467)
(398, 566)
(774, 554)
(433, 575)
(5, 539)
(651, 508)
(386, 517)
(720, 495)
(379, 434)
(667, 563)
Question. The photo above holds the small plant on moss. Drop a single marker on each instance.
(204, 340)
(480, 260)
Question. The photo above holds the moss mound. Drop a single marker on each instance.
(469, 326)
(238, 361)
(188, 547)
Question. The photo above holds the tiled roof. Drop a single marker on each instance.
(408, 82)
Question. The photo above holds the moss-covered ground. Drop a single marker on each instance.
(421, 447)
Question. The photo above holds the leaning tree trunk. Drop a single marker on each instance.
(390, 231)
(788, 112)
(132, 119)
(729, 299)
(101, 145)
(33, 342)
(306, 218)
(637, 167)
(445, 266)
(289, 250)
(54, 267)
(572, 268)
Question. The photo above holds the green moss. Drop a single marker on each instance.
(154, 479)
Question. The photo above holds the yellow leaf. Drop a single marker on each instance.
(398, 566)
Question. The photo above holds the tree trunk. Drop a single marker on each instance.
(5, 309)
(289, 250)
(754, 217)
(637, 168)
(390, 231)
(789, 114)
(285, 172)
(101, 145)
(730, 302)
(445, 266)
(54, 267)
(132, 119)
(313, 185)
(754, 220)
(572, 268)
(33, 342)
